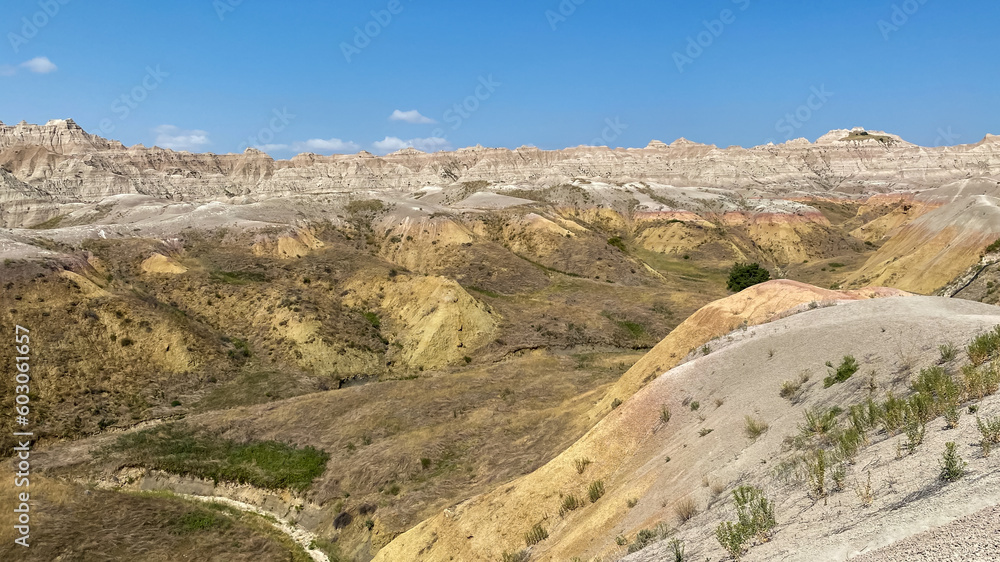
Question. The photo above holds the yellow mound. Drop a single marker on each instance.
(161, 264)
(291, 246)
(87, 287)
(434, 321)
(934, 249)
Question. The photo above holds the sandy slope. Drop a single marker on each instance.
(890, 337)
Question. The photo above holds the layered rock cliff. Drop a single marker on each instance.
(66, 163)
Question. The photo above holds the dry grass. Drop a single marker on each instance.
(685, 509)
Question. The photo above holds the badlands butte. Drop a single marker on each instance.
(503, 355)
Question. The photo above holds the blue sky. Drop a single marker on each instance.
(295, 76)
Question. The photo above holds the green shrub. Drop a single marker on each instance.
(755, 520)
(989, 430)
(645, 538)
(939, 388)
(994, 247)
(848, 443)
(948, 352)
(848, 366)
(695, 405)
(893, 413)
(820, 422)
(677, 549)
(569, 503)
(373, 319)
(816, 467)
(595, 490)
(915, 430)
(984, 346)
(980, 381)
(704, 431)
(536, 535)
(743, 275)
(515, 556)
(617, 242)
(839, 474)
(952, 465)
(615, 403)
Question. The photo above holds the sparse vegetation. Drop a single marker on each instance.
(704, 431)
(984, 347)
(647, 537)
(617, 242)
(515, 556)
(664, 415)
(615, 403)
(792, 389)
(754, 427)
(581, 464)
(865, 493)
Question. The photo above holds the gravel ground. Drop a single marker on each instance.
(974, 538)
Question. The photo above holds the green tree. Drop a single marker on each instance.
(744, 275)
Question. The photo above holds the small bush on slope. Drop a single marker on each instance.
(743, 275)
(952, 465)
(848, 366)
(755, 520)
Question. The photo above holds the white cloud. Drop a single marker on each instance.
(174, 138)
(319, 146)
(326, 145)
(39, 65)
(392, 144)
(413, 117)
